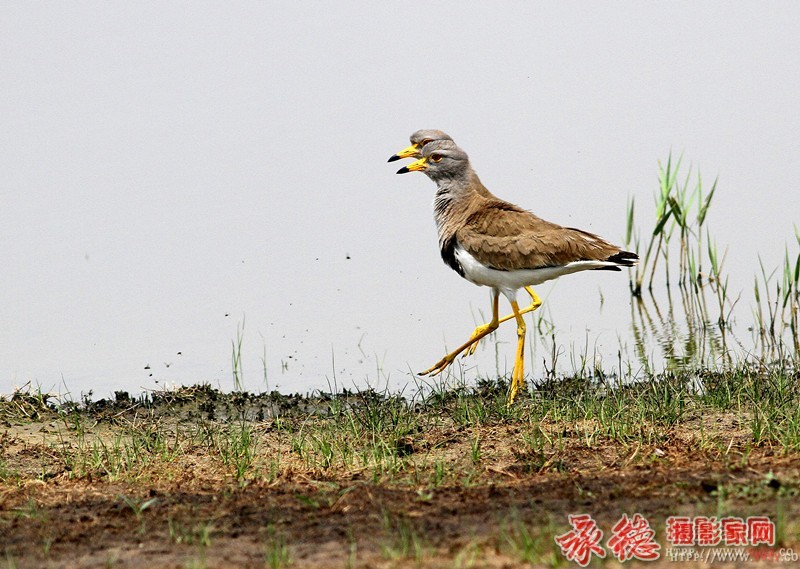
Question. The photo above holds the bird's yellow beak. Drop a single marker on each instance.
(418, 166)
(408, 152)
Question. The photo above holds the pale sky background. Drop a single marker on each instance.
(171, 171)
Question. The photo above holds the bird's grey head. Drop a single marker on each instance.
(424, 136)
(419, 140)
(441, 159)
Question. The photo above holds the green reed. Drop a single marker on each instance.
(236, 358)
(681, 209)
(777, 310)
(681, 248)
(682, 203)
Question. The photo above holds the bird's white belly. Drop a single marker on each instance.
(478, 273)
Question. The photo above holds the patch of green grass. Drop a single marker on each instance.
(190, 533)
(402, 539)
(10, 562)
(276, 551)
(30, 510)
(529, 543)
(236, 446)
(138, 508)
(198, 562)
(385, 437)
(468, 556)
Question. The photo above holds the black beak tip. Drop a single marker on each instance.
(403, 170)
(393, 158)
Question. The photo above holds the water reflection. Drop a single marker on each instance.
(690, 327)
(685, 335)
(697, 328)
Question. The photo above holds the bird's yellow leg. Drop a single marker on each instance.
(442, 364)
(536, 302)
(518, 375)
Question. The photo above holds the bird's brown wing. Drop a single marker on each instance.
(506, 237)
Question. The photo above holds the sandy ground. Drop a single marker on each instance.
(502, 510)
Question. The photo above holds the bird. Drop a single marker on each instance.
(492, 242)
(418, 141)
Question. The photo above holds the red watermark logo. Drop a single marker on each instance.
(708, 532)
(582, 541)
(632, 538)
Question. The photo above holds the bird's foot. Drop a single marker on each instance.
(479, 333)
(513, 390)
(475, 339)
(440, 366)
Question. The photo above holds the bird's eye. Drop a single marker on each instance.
(424, 142)
(436, 157)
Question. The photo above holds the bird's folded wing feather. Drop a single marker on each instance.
(506, 237)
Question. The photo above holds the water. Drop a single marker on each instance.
(580, 328)
(154, 206)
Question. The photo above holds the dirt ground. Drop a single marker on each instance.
(502, 510)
